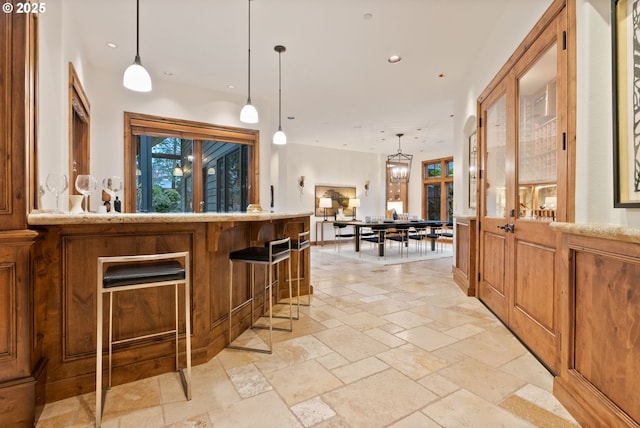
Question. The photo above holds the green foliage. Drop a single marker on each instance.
(165, 200)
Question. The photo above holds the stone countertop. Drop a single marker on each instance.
(52, 219)
(595, 230)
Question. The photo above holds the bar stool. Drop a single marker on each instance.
(124, 273)
(299, 245)
(269, 255)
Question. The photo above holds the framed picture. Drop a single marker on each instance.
(625, 27)
(473, 169)
(339, 198)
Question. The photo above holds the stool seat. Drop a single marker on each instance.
(261, 254)
(121, 275)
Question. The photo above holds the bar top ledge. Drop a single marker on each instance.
(595, 230)
(52, 219)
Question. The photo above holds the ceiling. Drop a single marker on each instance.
(338, 89)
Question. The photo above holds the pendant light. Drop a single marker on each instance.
(279, 137)
(136, 77)
(399, 165)
(249, 114)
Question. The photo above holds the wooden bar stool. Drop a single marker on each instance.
(124, 273)
(269, 255)
(299, 245)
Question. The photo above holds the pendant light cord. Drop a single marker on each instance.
(138, 29)
(280, 89)
(249, 56)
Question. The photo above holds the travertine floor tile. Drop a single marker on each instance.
(380, 346)
(378, 400)
(464, 409)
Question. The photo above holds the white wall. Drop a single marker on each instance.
(594, 141)
(324, 167)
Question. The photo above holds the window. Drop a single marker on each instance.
(180, 166)
(437, 194)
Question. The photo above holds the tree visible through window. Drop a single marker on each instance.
(437, 194)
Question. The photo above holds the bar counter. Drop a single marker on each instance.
(65, 272)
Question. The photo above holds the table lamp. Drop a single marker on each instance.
(325, 203)
(354, 203)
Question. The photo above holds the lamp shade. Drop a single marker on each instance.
(136, 77)
(354, 203)
(249, 114)
(280, 138)
(325, 203)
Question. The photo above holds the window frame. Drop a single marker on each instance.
(142, 124)
(443, 180)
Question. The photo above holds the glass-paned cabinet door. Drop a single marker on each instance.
(496, 143)
(537, 139)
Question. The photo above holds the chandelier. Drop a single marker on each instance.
(399, 165)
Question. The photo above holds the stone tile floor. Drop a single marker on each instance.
(380, 346)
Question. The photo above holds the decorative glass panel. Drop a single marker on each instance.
(496, 137)
(538, 139)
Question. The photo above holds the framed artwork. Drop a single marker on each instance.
(339, 197)
(473, 169)
(625, 28)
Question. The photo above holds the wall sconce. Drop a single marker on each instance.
(301, 184)
(366, 188)
(177, 171)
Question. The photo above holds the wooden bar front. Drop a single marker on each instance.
(65, 272)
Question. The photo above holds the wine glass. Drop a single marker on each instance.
(112, 185)
(86, 184)
(56, 184)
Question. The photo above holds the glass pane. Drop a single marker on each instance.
(496, 137)
(433, 201)
(165, 174)
(449, 169)
(449, 202)
(225, 176)
(537, 138)
(434, 170)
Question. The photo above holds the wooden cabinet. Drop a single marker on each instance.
(525, 140)
(17, 86)
(21, 366)
(599, 380)
(464, 267)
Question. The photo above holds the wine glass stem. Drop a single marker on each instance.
(84, 201)
(57, 210)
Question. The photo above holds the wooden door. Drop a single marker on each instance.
(495, 175)
(523, 187)
(540, 164)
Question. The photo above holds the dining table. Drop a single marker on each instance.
(390, 224)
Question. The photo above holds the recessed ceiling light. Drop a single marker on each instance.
(394, 58)
(112, 45)
(367, 16)
(442, 75)
(291, 117)
(231, 86)
(168, 73)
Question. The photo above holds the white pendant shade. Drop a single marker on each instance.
(280, 137)
(137, 78)
(249, 114)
